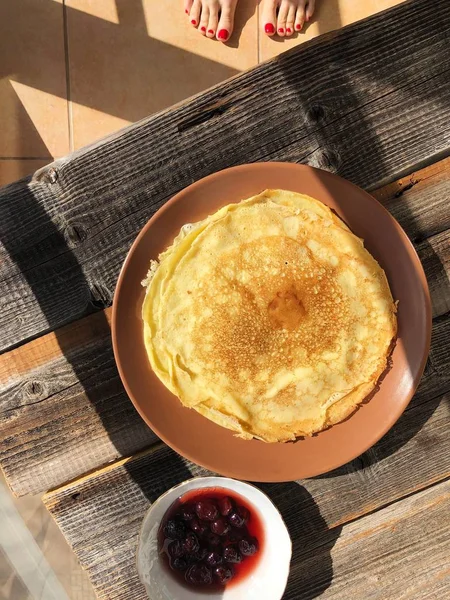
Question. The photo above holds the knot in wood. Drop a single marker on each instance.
(75, 234)
(49, 176)
(101, 297)
(34, 388)
(315, 113)
(328, 160)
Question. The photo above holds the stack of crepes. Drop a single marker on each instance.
(269, 317)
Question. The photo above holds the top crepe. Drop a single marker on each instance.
(269, 317)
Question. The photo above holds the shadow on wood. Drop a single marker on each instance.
(336, 151)
(311, 566)
(165, 472)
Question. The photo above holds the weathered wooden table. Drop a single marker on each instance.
(370, 102)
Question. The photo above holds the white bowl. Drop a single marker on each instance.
(266, 582)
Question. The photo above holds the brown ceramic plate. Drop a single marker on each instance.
(214, 447)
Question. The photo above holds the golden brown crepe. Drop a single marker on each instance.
(269, 317)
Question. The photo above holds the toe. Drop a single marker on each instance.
(310, 9)
(204, 20)
(225, 25)
(187, 6)
(290, 20)
(300, 16)
(282, 17)
(213, 21)
(269, 17)
(195, 12)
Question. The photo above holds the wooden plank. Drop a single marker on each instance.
(112, 503)
(400, 552)
(52, 346)
(65, 412)
(435, 256)
(369, 102)
(71, 414)
(420, 201)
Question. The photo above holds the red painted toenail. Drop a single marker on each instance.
(288, 30)
(203, 28)
(281, 30)
(298, 27)
(223, 34)
(210, 30)
(269, 28)
(186, 11)
(194, 22)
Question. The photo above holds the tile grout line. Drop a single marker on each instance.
(48, 158)
(258, 52)
(68, 91)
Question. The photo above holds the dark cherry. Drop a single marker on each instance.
(174, 529)
(179, 563)
(220, 526)
(236, 534)
(225, 506)
(223, 574)
(198, 527)
(231, 555)
(199, 575)
(235, 519)
(205, 538)
(187, 512)
(244, 513)
(175, 549)
(206, 510)
(201, 553)
(213, 559)
(248, 546)
(213, 540)
(191, 543)
(196, 557)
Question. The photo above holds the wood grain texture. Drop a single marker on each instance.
(64, 409)
(370, 102)
(71, 414)
(400, 552)
(53, 345)
(111, 505)
(435, 256)
(420, 201)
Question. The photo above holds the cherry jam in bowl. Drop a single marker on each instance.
(213, 537)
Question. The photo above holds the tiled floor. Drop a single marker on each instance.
(72, 71)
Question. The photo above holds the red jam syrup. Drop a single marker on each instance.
(211, 538)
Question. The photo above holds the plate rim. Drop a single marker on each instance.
(427, 306)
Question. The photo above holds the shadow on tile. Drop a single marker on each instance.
(32, 56)
(120, 70)
(244, 11)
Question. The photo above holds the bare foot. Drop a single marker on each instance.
(292, 14)
(213, 18)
